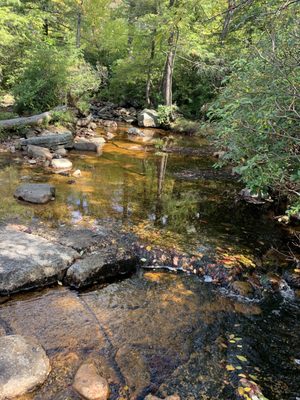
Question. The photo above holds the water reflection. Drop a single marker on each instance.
(136, 185)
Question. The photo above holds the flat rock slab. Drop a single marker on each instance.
(51, 141)
(29, 261)
(37, 193)
(81, 239)
(24, 365)
(100, 267)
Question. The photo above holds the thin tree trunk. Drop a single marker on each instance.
(227, 20)
(79, 22)
(149, 73)
(167, 85)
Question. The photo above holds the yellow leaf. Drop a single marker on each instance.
(232, 341)
(247, 389)
(253, 377)
(230, 368)
(241, 391)
(242, 358)
(242, 375)
(148, 248)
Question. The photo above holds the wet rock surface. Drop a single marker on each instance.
(28, 261)
(99, 267)
(24, 365)
(37, 193)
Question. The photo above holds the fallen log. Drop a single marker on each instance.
(30, 121)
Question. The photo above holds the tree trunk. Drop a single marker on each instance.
(227, 20)
(29, 121)
(79, 21)
(167, 85)
(149, 73)
(78, 31)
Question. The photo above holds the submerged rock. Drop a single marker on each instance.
(242, 288)
(28, 261)
(89, 384)
(99, 267)
(148, 118)
(24, 365)
(135, 131)
(37, 193)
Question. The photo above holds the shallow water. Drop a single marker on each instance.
(155, 332)
(134, 184)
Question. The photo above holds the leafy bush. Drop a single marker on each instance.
(259, 113)
(51, 76)
(166, 114)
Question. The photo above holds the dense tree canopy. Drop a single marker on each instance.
(239, 59)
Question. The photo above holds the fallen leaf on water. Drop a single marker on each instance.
(242, 358)
(230, 367)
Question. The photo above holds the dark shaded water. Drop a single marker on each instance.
(156, 332)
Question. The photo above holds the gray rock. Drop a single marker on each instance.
(29, 261)
(80, 239)
(60, 152)
(89, 384)
(24, 366)
(148, 118)
(135, 131)
(37, 193)
(93, 144)
(100, 267)
(51, 141)
(61, 164)
(39, 152)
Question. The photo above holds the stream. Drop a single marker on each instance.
(156, 331)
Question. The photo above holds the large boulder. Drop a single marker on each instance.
(51, 140)
(24, 365)
(39, 152)
(148, 118)
(29, 261)
(93, 144)
(100, 267)
(37, 193)
(89, 384)
(61, 164)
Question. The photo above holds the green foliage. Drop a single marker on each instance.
(259, 111)
(50, 76)
(166, 114)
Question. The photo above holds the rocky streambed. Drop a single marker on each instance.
(91, 267)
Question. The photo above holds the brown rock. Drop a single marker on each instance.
(89, 384)
(242, 288)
